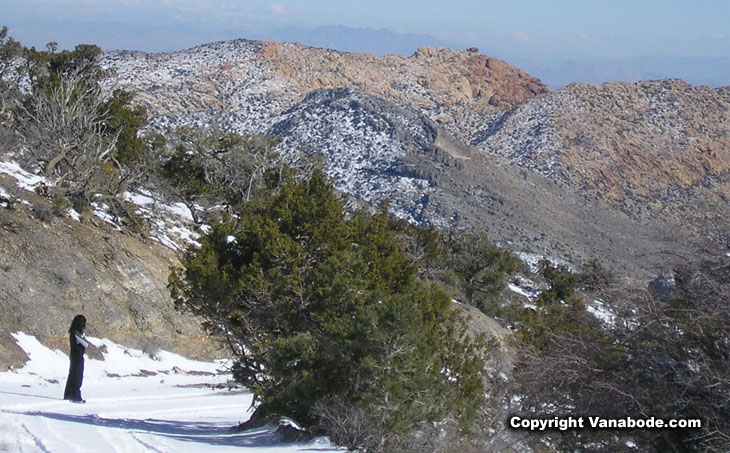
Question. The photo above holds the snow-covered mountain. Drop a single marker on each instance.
(656, 149)
(223, 84)
(368, 145)
(242, 84)
(377, 150)
(454, 138)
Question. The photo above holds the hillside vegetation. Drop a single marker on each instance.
(389, 326)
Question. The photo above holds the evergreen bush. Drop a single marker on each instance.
(326, 309)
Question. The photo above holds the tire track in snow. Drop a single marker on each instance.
(36, 440)
(124, 441)
(146, 445)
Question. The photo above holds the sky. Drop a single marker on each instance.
(514, 30)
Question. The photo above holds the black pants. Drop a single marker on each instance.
(75, 378)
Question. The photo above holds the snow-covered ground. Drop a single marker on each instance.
(134, 403)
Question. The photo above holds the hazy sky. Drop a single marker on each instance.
(504, 28)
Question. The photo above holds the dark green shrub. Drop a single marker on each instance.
(322, 308)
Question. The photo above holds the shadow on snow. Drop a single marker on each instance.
(200, 432)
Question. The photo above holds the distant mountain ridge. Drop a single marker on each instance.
(710, 71)
(357, 40)
(246, 83)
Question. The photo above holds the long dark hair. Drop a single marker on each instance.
(78, 324)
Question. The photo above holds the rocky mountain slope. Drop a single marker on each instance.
(370, 147)
(244, 84)
(54, 268)
(377, 150)
(621, 172)
(658, 149)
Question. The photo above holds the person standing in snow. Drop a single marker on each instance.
(78, 343)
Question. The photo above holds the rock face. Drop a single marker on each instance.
(51, 271)
(429, 79)
(244, 84)
(652, 149)
(377, 150)
(621, 172)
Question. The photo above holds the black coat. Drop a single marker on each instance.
(76, 369)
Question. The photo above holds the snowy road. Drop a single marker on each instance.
(135, 403)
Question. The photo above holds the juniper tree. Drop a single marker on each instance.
(482, 269)
(204, 167)
(10, 52)
(323, 308)
(81, 139)
(467, 263)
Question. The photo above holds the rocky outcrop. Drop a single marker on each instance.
(652, 149)
(428, 79)
(377, 150)
(50, 271)
(244, 84)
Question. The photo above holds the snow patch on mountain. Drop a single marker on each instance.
(525, 136)
(24, 179)
(170, 224)
(364, 142)
(223, 85)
